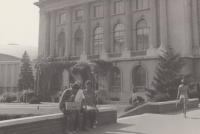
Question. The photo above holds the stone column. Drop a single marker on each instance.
(153, 28)
(86, 45)
(188, 27)
(128, 18)
(53, 33)
(47, 34)
(195, 24)
(68, 47)
(163, 23)
(106, 26)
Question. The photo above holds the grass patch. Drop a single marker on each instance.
(14, 116)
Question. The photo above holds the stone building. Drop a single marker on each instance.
(10, 62)
(128, 32)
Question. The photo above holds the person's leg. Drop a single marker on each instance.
(68, 122)
(76, 122)
(85, 118)
(71, 127)
(94, 118)
(185, 108)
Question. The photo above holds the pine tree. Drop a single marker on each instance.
(26, 78)
(168, 72)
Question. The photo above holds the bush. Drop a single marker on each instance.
(161, 98)
(14, 116)
(9, 97)
(193, 94)
(34, 101)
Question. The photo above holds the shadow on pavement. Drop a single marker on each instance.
(112, 129)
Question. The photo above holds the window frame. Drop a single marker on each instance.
(100, 11)
(119, 37)
(142, 8)
(142, 29)
(61, 44)
(121, 7)
(100, 39)
(75, 41)
(62, 18)
(76, 15)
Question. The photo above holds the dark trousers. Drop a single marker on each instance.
(76, 121)
(85, 117)
(92, 114)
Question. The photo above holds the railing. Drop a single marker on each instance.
(92, 57)
(114, 55)
(115, 89)
(138, 53)
(74, 58)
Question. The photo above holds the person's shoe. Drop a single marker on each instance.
(85, 129)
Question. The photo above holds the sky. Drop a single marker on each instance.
(19, 22)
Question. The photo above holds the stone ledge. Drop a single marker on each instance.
(44, 118)
(159, 107)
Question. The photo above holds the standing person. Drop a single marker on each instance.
(81, 98)
(91, 105)
(182, 95)
(68, 96)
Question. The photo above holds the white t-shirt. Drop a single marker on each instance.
(134, 96)
(79, 96)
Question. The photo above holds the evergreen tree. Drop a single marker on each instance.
(26, 78)
(168, 72)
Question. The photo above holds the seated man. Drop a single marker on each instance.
(68, 96)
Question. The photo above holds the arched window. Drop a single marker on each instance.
(79, 42)
(61, 44)
(142, 4)
(116, 77)
(142, 35)
(119, 38)
(139, 76)
(98, 40)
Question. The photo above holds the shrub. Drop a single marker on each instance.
(193, 94)
(14, 116)
(9, 97)
(34, 101)
(161, 98)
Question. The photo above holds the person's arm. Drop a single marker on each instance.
(178, 94)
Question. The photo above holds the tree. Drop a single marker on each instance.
(168, 72)
(26, 78)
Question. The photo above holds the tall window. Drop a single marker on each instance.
(119, 7)
(79, 15)
(116, 77)
(61, 43)
(142, 35)
(98, 40)
(79, 42)
(98, 11)
(62, 18)
(142, 4)
(140, 76)
(119, 38)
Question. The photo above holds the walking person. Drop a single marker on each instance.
(69, 96)
(182, 95)
(90, 96)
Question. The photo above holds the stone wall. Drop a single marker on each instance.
(159, 107)
(50, 124)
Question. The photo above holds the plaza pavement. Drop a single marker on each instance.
(172, 123)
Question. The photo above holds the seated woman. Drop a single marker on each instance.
(89, 94)
(68, 96)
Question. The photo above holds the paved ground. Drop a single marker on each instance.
(173, 123)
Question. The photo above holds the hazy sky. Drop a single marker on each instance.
(19, 22)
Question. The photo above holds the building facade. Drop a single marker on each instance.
(130, 33)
